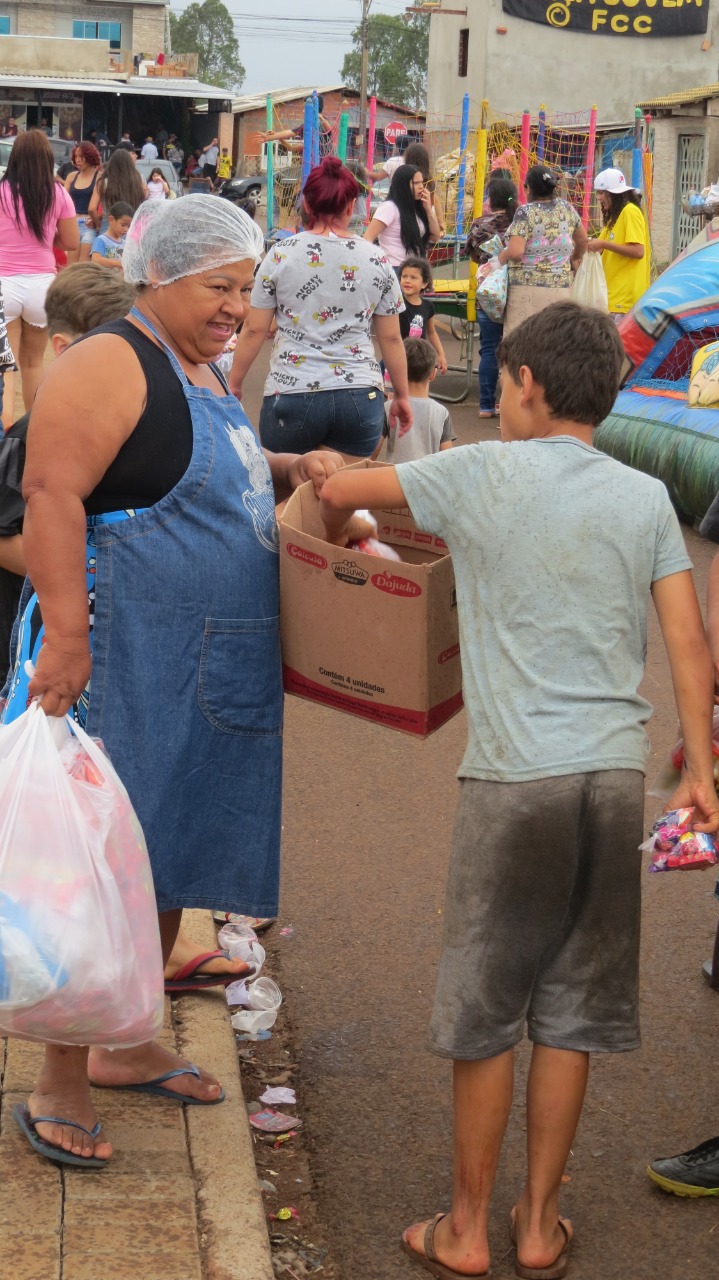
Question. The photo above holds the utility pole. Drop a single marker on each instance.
(364, 30)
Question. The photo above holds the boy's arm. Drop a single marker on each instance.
(346, 491)
(682, 628)
(434, 339)
(713, 619)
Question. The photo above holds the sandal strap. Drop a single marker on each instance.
(69, 1124)
(179, 1071)
(429, 1250)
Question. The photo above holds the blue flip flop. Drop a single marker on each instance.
(26, 1123)
(155, 1087)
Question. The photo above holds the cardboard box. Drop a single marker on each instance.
(368, 635)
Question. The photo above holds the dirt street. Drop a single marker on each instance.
(367, 825)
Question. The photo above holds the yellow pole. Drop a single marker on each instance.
(480, 169)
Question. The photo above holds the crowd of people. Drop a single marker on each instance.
(158, 475)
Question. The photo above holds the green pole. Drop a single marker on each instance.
(270, 168)
(342, 140)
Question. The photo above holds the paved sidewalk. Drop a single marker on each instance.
(179, 1200)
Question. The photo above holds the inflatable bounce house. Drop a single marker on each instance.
(666, 418)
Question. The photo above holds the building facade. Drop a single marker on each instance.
(135, 25)
(566, 54)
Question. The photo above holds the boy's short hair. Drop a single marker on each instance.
(418, 264)
(84, 296)
(421, 359)
(121, 209)
(575, 355)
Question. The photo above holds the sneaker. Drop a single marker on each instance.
(258, 923)
(694, 1173)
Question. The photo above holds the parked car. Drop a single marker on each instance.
(61, 151)
(168, 171)
(254, 188)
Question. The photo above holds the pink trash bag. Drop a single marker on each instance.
(80, 955)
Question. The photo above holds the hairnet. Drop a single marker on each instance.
(169, 239)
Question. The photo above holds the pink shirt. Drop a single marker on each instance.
(390, 240)
(21, 254)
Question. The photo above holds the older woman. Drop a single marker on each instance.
(326, 288)
(545, 241)
(80, 186)
(159, 471)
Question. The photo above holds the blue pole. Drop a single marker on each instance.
(315, 130)
(541, 134)
(307, 140)
(462, 180)
(637, 165)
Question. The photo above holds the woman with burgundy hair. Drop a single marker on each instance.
(330, 293)
(81, 187)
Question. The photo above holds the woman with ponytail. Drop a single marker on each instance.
(329, 293)
(502, 201)
(405, 225)
(546, 242)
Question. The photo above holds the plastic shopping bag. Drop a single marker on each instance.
(492, 291)
(80, 956)
(590, 285)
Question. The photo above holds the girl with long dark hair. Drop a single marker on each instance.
(120, 183)
(405, 223)
(623, 241)
(34, 210)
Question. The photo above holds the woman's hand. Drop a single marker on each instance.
(62, 672)
(317, 466)
(596, 246)
(400, 412)
(441, 363)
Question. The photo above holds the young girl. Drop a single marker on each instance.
(623, 240)
(417, 319)
(157, 188)
(405, 222)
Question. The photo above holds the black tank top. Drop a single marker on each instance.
(157, 454)
(81, 196)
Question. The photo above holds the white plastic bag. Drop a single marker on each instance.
(80, 955)
(590, 285)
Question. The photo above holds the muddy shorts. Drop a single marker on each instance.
(542, 916)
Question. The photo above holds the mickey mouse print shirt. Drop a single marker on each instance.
(324, 291)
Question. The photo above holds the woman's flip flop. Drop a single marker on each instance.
(26, 1123)
(157, 1089)
(429, 1260)
(188, 979)
(556, 1270)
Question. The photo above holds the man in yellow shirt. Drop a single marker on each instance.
(623, 240)
(224, 166)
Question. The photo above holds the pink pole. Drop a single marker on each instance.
(589, 179)
(371, 145)
(524, 155)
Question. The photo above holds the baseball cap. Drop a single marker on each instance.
(613, 181)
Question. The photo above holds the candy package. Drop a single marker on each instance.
(372, 546)
(80, 956)
(675, 846)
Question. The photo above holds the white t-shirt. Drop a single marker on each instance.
(325, 290)
(149, 151)
(552, 598)
(392, 164)
(431, 427)
(390, 240)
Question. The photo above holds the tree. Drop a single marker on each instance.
(397, 61)
(207, 29)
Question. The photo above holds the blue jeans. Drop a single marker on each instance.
(347, 420)
(490, 333)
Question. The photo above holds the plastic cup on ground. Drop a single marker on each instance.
(254, 1020)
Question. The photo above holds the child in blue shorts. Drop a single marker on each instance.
(556, 549)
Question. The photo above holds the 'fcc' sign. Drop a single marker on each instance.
(616, 17)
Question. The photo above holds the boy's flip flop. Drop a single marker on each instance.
(155, 1087)
(188, 979)
(26, 1123)
(555, 1270)
(429, 1260)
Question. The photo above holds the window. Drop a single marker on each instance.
(111, 31)
(463, 51)
(4, 26)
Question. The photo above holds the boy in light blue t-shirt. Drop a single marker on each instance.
(556, 549)
(107, 248)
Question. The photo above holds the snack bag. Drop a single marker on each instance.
(372, 546)
(675, 846)
(80, 956)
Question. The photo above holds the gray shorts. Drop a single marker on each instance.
(542, 916)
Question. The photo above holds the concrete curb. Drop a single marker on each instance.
(232, 1223)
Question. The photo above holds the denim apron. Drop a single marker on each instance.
(186, 688)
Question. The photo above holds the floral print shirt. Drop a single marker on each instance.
(546, 226)
(324, 291)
